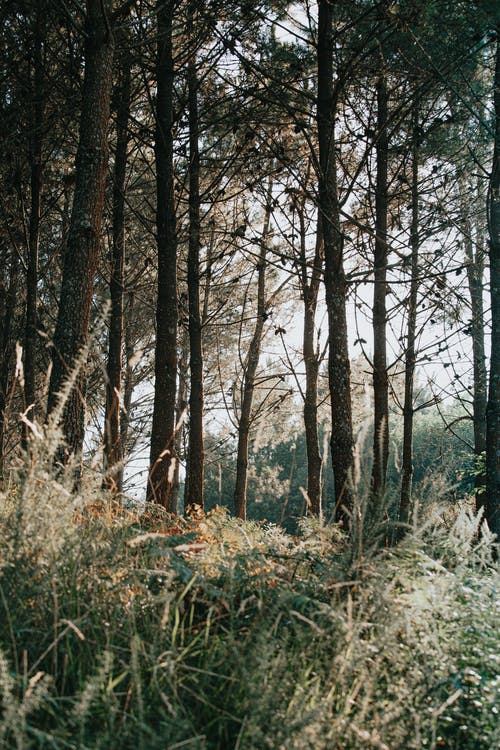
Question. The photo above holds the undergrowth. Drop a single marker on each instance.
(121, 629)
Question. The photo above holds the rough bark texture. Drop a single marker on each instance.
(112, 441)
(161, 467)
(342, 444)
(380, 379)
(196, 453)
(248, 386)
(8, 305)
(410, 354)
(310, 289)
(80, 258)
(492, 500)
(36, 138)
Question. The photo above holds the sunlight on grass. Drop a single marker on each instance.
(129, 628)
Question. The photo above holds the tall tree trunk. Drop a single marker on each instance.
(80, 258)
(380, 379)
(6, 347)
(339, 375)
(310, 290)
(128, 386)
(180, 409)
(196, 453)
(112, 441)
(36, 137)
(475, 272)
(410, 354)
(208, 273)
(492, 500)
(248, 385)
(161, 466)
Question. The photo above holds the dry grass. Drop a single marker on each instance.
(122, 629)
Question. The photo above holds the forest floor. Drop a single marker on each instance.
(127, 631)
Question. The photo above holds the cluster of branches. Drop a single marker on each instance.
(262, 154)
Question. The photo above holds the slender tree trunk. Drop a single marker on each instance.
(492, 500)
(196, 453)
(161, 465)
(339, 376)
(475, 272)
(310, 290)
(128, 387)
(80, 259)
(182, 395)
(36, 138)
(6, 348)
(410, 354)
(112, 441)
(183, 364)
(5, 275)
(208, 273)
(248, 386)
(380, 379)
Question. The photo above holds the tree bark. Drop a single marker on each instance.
(182, 396)
(112, 441)
(80, 258)
(36, 139)
(380, 379)
(310, 290)
(410, 354)
(128, 386)
(6, 348)
(339, 376)
(248, 386)
(161, 466)
(196, 453)
(492, 498)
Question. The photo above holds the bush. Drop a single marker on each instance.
(122, 629)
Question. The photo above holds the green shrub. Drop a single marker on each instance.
(120, 630)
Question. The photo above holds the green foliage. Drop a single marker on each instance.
(145, 631)
(443, 463)
(438, 453)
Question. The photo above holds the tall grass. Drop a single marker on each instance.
(128, 630)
